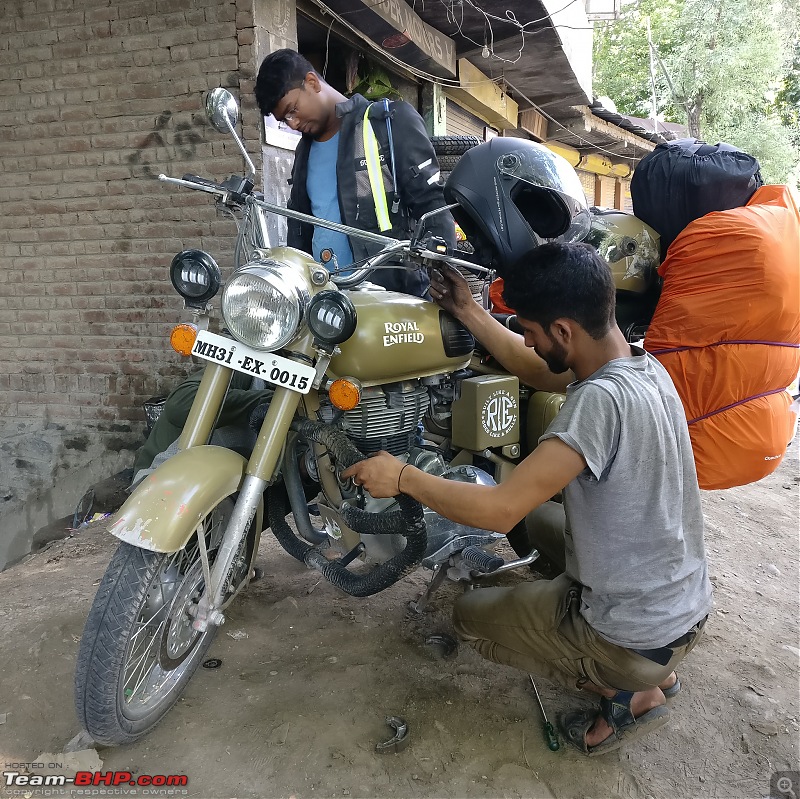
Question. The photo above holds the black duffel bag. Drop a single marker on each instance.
(682, 180)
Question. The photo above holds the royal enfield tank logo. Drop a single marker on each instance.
(401, 333)
(499, 413)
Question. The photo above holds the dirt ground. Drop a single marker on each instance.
(309, 674)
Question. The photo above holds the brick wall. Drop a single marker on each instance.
(96, 98)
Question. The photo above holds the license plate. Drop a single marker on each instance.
(273, 368)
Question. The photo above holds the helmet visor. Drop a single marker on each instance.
(539, 167)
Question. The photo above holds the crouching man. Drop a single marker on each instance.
(635, 593)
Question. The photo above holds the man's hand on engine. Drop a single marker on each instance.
(379, 474)
(451, 291)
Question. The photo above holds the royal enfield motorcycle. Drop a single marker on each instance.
(355, 369)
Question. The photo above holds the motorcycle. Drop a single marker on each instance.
(355, 369)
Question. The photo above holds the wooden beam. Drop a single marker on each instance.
(593, 123)
(483, 97)
(394, 26)
(531, 121)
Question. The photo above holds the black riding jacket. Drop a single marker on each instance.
(418, 185)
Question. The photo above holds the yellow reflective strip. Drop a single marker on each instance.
(375, 177)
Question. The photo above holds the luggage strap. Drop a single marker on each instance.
(688, 151)
(735, 404)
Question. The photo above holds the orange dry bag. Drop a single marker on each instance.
(496, 296)
(727, 329)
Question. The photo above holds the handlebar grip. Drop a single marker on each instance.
(203, 181)
(480, 560)
(510, 321)
(514, 325)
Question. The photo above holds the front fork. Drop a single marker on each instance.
(260, 470)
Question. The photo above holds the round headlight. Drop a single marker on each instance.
(332, 317)
(196, 277)
(264, 303)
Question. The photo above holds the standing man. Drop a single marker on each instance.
(635, 593)
(366, 165)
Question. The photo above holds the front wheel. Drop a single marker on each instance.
(139, 649)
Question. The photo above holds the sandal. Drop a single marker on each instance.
(674, 689)
(616, 711)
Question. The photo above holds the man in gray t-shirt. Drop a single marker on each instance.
(636, 504)
(635, 594)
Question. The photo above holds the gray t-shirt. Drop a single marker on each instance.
(634, 532)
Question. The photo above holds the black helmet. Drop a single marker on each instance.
(514, 195)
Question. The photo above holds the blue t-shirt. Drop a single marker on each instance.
(322, 188)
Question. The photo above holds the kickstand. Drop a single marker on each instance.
(439, 573)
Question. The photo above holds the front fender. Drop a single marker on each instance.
(165, 509)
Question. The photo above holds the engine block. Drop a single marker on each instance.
(386, 418)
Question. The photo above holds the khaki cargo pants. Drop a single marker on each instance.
(537, 627)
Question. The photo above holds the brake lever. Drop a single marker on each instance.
(437, 256)
(202, 181)
(210, 189)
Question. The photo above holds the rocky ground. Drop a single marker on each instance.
(309, 674)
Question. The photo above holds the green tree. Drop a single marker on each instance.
(721, 64)
(787, 101)
(621, 60)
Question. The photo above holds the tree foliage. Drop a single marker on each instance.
(722, 65)
(787, 101)
(621, 59)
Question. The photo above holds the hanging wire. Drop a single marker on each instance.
(447, 82)
(582, 140)
(453, 18)
(509, 18)
(420, 73)
(327, 48)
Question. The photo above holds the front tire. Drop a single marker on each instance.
(138, 650)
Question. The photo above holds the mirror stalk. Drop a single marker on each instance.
(250, 165)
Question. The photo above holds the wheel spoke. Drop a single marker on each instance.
(137, 652)
(180, 561)
(167, 566)
(137, 665)
(144, 625)
(157, 646)
(141, 662)
(134, 671)
(165, 600)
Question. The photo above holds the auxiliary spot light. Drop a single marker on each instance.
(331, 317)
(195, 276)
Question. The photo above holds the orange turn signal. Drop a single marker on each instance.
(345, 393)
(182, 338)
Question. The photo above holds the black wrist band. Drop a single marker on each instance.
(400, 475)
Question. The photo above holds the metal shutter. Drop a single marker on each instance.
(587, 181)
(607, 187)
(627, 203)
(461, 122)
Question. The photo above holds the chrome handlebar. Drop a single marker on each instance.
(391, 247)
(190, 184)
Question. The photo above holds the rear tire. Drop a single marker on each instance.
(138, 650)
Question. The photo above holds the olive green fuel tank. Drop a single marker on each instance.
(400, 337)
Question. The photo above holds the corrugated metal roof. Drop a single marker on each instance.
(596, 129)
(667, 131)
